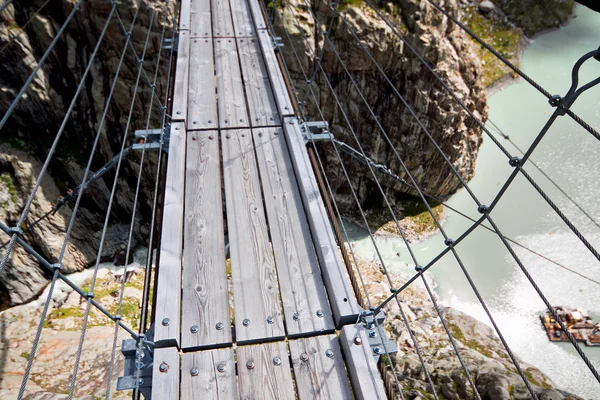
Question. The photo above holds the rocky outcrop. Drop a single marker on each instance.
(28, 134)
(451, 54)
(489, 365)
(534, 16)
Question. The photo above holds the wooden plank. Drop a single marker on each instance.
(257, 15)
(341, 295)
(232, 102)
(180, 89)
(221, 17)
(242, 19)
(253, 275)
(202, 98)
(165, 383)
(261, 103)
(208, 375)
(168, 291)
(282, 96)
(264, 372)
(184, 15)
(302, 291)
(205, 291)
(362, 368)
(201, 19)
(319, 368)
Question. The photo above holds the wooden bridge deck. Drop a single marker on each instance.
(251, 292)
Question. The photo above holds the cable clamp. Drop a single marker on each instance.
(57, 266)
(514, 161)
(16, 231)
(89, 295)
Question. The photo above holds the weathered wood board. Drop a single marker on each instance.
(261, 103)
(205, 305)
(341, 295)
(303, 295)
(242, 19)
(202, 98)
(254, 280)
(180, 89)
(264, 372)
(319, 368)
(168, 294)
(257, 14)
(280, 91)
(221, 18)
(208, 375)
(184, 15)
(165, 384)
(230, 90)
(362, 368)
(201, 19)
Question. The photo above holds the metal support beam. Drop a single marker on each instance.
(151, 139)
(313, 131)
(138, 353)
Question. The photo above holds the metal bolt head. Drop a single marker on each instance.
(194, 371)
(246, 322)
(319, 313)
(219, 326)
(329, 353)
(194, 329)
(376, 350)
(221, 368)
(296, 316)
(163, 367)
(250, 364)
(166, 321)
(277, 361)
(372, 334)
(357, 341)
(140, 382)
(270, 320)
(304, 357)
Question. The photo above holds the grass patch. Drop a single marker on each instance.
(502, 37)
(456, 332)
(349, 3)
(25, 355)
(531, 379)
(8, 182)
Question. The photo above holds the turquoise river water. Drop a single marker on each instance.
(571, 156)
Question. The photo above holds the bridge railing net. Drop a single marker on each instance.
(150, 63)
(311, 107)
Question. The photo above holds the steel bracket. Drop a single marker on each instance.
(378, 339)
(171, 44)
(276, 42)
(138, 353)
(313, 131)
(151, 139)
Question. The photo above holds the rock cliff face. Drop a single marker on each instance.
(29, 132)
(451, 54)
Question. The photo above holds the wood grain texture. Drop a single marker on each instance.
(230, 91)
(266, 380)
(205, 293)
(209, 383)
(180, 89)
(221, 18)
(168, 291)
(261, 103)
(202, 98)
(305, 304)
(184, 15)
(201, 19)
(341, 295)
(320, 376)
(362, 368)
(242, 19)
(257, 15)
(282, 96)
(254, 280)
(165, 385)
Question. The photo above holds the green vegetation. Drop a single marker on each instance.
(62, 313)
(25, 355)
(511, 390)
(531, 379)
(502, 37)
(8, 182)
(349, 3)
(456, 332)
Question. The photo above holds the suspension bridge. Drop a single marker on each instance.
(255, 292)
